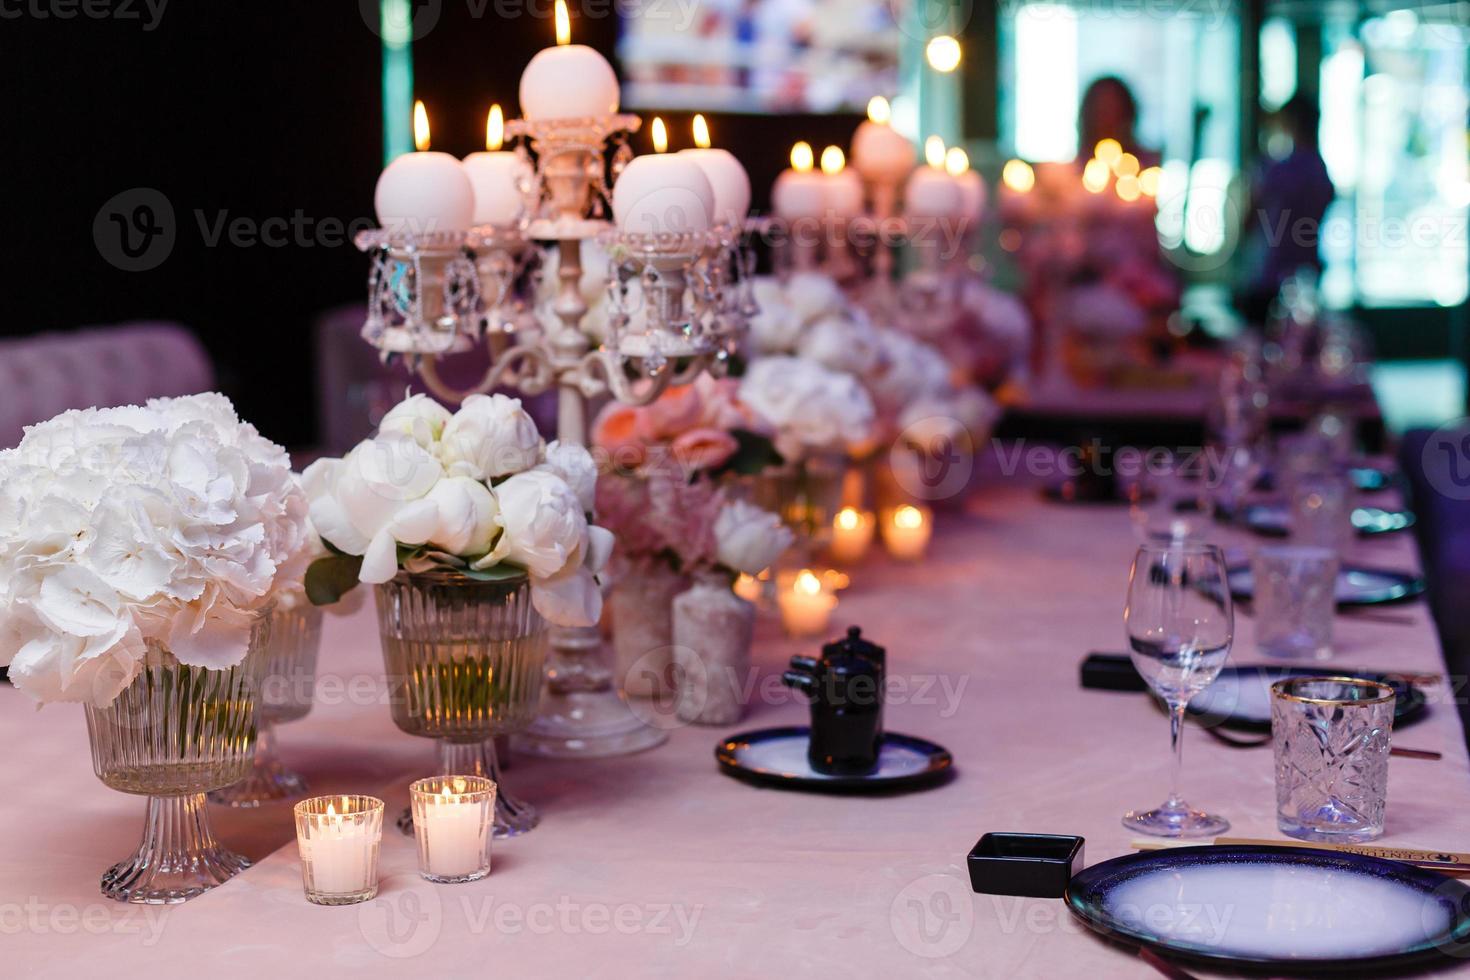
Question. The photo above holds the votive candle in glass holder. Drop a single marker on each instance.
(452, 816)
(852, 533)
(806, 603)
(906, 531)
(338, 837)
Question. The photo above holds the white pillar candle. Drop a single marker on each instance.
(806, 605)
(452, 817)
(843, 188)
(879, 152)
(497, 176)
(852, 534)
(569, 81)
(906, 532)
(931, 192)
(424, 191)
(663, 193)
(972, 187)
(726, 175)
(799, 192)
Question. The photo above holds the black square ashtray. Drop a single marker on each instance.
(1032, 865)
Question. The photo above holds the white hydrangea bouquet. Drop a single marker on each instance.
(164, 526)
(476, 491)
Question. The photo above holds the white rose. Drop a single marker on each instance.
(813, 295)
(749, 539)
(575, 466)
(419, 417)
(489, 437)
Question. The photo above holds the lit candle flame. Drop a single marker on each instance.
(943, 53)
(806, 583)
(848, 519)
(1148, 181)
(420, 126)
(1095, 176)
(801, 157)
(331, 810)
(563, 24)
(1108, 151)
(832, 160)
(1018, 176)
(956, 161)
(1128, 188)
(660, 135)
(701, 132)
(1126, 165)
(444, 791)
(879, 110)
(934, 152)
(908, 516)
(495, 129)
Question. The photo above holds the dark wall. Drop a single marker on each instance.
(266, 111)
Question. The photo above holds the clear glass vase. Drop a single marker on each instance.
(464, 660)
(174, 734)
(285, 695)
(806, 494)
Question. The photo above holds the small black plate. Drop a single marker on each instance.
(777, 757)
(1274, 521)
(1356, 585)
(1240, 697)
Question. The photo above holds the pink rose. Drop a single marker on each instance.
(704, 449)
(620, 433)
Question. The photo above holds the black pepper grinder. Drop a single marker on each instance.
(845, 686)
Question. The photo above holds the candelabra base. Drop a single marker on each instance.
(586, 725)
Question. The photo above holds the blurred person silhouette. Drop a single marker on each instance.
(1110, 111)
(1288, 200)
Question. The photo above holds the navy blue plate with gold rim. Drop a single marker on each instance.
(777, 757)
(1285, 910)
(1356, 585)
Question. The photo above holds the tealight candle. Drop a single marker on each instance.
(852, 534)
(726, 175)
(338, 838)
(906, 532)
(798, 192)
(497, 176)
(806, 605)
(424, 191)
(452, 817)
(569, 81)
(879, 152)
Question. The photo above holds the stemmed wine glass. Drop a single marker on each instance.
(1180, 622)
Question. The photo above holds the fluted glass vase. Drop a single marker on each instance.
(174, 734)
(464, 660)
(285, 695)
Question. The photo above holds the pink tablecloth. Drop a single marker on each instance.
(658, 865)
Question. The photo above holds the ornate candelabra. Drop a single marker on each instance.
(435, 294)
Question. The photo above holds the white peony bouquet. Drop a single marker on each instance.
(811, 408)
(476, 491)
(164, 526)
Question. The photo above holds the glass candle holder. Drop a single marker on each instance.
(1331, 738)
(338, 837)
(906, 531)
(852, 534)
(452, 817)
(806, 603)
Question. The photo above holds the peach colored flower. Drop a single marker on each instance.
(704, 449)
(619, 432)
(674, 413)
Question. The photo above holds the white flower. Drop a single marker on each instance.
(169, 525)
(841, 343)
(814, 295)
(489, 437)
(575, 466)
(811, 408)
(466, 515)
(419, 417)
(749, 539)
